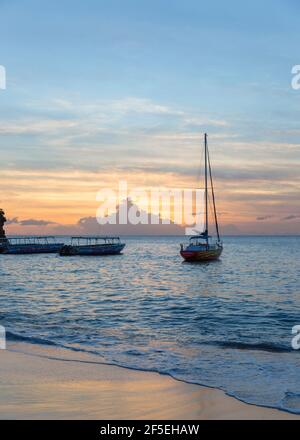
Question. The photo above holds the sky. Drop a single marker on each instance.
(103, 91)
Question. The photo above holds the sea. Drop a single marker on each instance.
(225, 324)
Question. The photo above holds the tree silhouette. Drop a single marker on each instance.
(2, 221)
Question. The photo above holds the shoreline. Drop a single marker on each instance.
(51, 383)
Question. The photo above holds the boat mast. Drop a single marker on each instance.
(206, 191)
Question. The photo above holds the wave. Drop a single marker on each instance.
(235, 345)
(14, 337)
(263, 346)
(31, 339)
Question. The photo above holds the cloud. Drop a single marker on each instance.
(139, 105)
(291, 217)
(31, 126)
(12, 221)
(90, 225)
(192, 121)
(264, 217)
(230, 229)
(29, 222)
(77, 131)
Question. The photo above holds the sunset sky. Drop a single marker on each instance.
(102, 91)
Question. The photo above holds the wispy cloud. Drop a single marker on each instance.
(29, 222)
(264, 217)
(291, 217)
(31, 126)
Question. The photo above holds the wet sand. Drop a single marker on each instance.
(58, 384)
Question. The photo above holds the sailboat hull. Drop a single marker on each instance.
(201, 255)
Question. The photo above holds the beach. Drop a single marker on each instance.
(49, 383)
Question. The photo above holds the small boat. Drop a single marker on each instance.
(30, 245)
(200, 247)
(93, 246)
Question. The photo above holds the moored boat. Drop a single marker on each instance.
(31, 245)
(93, 246)
(200, 247)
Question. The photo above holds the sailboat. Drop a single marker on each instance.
(201, 247)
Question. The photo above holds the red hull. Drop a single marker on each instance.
(208, 255)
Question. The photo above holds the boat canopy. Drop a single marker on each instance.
(31, 239)
(89, 239)
(203, 236)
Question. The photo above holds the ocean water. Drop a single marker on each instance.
(224, 324)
